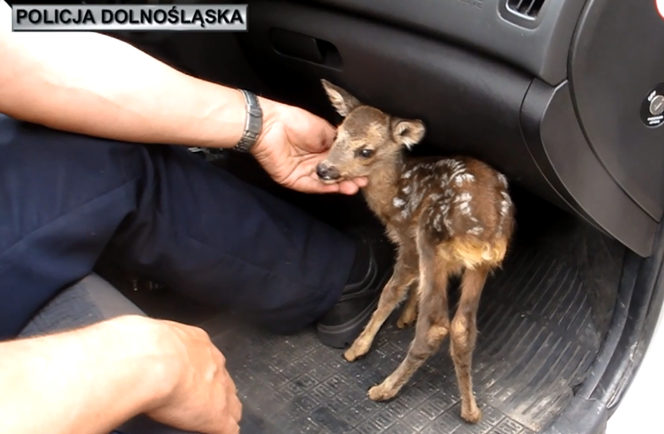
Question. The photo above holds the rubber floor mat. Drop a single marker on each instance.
(536, 341)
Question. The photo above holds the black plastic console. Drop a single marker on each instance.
(533, 35)
(576, 139)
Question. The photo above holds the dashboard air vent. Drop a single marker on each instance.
(528, 9)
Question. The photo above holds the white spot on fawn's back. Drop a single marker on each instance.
(505, 204)
(463, 197)
(436, 223)
(476, 230)
(417, 195)
(463, 177)
(398, 202)
(448, 225)
(504, 207)
(457, 168)
(463, 201)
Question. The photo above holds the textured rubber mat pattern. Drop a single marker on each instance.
(536, 341)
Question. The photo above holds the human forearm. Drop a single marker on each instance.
(86, 381)
(94, 84)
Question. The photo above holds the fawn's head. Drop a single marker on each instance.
(366, 140)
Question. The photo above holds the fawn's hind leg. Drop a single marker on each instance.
(409, 314)
(463, 333)
(405, 273)
(431, 327)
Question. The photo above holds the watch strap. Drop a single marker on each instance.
(253, 124)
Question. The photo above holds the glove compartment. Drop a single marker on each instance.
(471, 104)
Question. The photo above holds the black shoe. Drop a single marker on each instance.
(339, 327)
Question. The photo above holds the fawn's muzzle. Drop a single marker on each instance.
(327, 173)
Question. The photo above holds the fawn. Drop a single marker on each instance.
(447, 216)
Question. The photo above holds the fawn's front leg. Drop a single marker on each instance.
(431, 328)
(405, 273)
(463, 334)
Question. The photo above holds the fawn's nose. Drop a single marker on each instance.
(327, 173)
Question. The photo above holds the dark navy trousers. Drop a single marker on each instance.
(161, 212)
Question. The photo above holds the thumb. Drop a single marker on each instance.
(329, 134)
(319, 136)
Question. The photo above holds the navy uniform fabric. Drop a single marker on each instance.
(158, 210)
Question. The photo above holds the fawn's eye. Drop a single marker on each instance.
(365, 153)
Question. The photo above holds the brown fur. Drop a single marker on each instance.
(448, 216)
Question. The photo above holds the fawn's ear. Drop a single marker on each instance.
(407, 132)
(341, 100)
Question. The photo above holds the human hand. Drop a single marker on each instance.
(292, 144)
(203, 397)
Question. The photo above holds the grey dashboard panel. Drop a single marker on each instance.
(538, 46)
(617, 83)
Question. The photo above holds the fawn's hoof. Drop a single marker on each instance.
(353, 354)
(403, 323)
(471, 416)
(381, 393)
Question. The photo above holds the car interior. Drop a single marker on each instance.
(566, 98)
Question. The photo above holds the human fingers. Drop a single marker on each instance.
(312, 184)
(223, 377)
(307, 182)
(227, 421)
(233, 403)
(217, 423)
(226, 425)
(352, 186)
(330, 133)
(348, 188)
(225, 416)
(361, 181)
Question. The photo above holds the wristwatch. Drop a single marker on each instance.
(253, 124)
